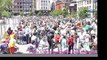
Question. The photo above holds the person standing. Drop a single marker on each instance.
(50, 36)
(11, 44)
(70, 44)
(63, 43)
(27, 31)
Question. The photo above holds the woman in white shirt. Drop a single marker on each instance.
(33, 38)
(63, 43)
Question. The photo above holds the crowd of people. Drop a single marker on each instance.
(68, 35)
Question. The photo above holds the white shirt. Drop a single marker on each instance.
(63, 32)
(87, 40)
(95, 40)
(33, 38)
(64, 42)
(92, 32)
(87, 36)
(81, 37)
(77, 43)
(27, 30)
(72, 32)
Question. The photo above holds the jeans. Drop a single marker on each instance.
(69, 49)
(50, 42)
(27, 38)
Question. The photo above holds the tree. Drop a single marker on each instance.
(5, 14)
(83, 12)
(21, 13)
(5, 6)
(64, 12)
(39, 13)
(74, 14)
(56, 12)
(30, 13)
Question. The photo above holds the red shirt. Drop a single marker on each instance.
(57, 37)
(70, 41)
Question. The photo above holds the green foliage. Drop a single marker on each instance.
(56, 12)
(64, 12)
(74, 14)
(21, 13)
(30, 13)
(59, 12)
(83, 12)
(5, 13)
(39, 13)
(5, 5)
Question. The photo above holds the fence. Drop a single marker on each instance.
(9, 22)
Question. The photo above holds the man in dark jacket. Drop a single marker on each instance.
(50, 35)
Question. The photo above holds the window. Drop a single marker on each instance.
(27, 10)
(20, 2)
(17, 2)
(20, 6)
(89, 2)
(85, 2)
(21, 10)
(17, 6)
(14, 6)
(30, 6)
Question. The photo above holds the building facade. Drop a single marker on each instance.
(73, 7)
(59, 5)
(90, 4)
(53, 6)
(24, 6)
(33, 6)
(67, 3)
(44, 5)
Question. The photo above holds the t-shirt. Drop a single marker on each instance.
(70, 41)
(87, 27)
(72, 32)
(12, 43)
(33, 38)
(4, 45)
(57, 37)
(63, 43)
(92, 32)
(63, 32)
